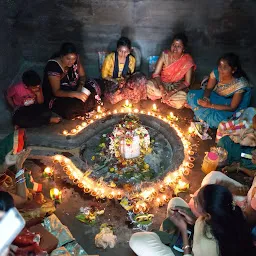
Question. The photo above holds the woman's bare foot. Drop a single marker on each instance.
(55, 120)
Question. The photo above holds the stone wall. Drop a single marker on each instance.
(10, 50)
(11, 55)
(213, 27)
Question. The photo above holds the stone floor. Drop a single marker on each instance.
(49, 140)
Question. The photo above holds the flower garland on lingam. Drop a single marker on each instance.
(126, 133)
(124, 150)
(156, 195)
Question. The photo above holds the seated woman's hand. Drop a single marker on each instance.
(121, 83)
(178, 220)
(80, 95)
(204, 103)
(188, 218)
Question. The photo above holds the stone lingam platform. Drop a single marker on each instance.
(49, 141)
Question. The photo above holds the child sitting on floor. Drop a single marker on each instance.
(26, 99)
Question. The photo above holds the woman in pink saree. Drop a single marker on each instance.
(173, 74)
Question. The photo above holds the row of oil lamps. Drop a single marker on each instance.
(173, 180)
(100, 191)
(127, 108)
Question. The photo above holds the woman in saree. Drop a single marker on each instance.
(64, 86)
(173, 74)
(118, 75)
(227, 92)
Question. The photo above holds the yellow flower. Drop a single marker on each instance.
(149, 150)
(112, 183)
(93, 158)
(102, 145)
(146, 166)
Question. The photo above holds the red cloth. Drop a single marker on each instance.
(178, 69)
(21, 95)
(18, 140)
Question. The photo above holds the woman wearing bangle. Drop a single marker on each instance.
(64, 84)
(220, 229)
(173, 74)
(227, 91)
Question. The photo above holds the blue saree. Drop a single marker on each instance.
(221, 95)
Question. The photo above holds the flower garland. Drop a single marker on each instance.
(128, 128)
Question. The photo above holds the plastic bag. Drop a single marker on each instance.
(106, 237)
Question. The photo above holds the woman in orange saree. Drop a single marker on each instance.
(173, 74)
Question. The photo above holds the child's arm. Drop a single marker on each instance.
(39, 96)
(10, 102)
(9, 97)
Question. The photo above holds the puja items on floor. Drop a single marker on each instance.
(141, 221)
(210, 162)
(89, 214)
(27, 242)
(216, 157)
(106, 237)
(222, 154)
(200, 129)
(37, 207)
(67, 245)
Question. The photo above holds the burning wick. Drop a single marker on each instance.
(55, 195)
(190, 130)
(127, 104)
(191, 152)
(171, 115)
(74, 131)
(119, 196)
(48, 172)
(182, 185)
(99, 109)
(154, 107)
(65, 132)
